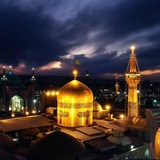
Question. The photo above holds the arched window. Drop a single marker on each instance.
(16, 104)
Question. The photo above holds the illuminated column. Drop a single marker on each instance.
(133, 79)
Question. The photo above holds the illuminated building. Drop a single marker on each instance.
(75, 104)
(157, 144)
(133, 79)
(97, 110)
(49, 100)
(17, 96)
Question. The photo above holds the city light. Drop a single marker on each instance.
(51, 93)
(33, 111)
(48, 93)
(27, 113)
(138, 91)
(121, 116)
(12, 115)
(131, 147)
(108, 107)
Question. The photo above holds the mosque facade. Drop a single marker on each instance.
(18, 96)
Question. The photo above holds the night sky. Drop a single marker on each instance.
(50, 35)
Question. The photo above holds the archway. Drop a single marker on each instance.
(16, 104)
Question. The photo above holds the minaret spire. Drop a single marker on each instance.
(33, 75)
(4, 71)
(4, 74)
(133, 80)
(133, 60)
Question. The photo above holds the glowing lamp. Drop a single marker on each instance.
(33, 111)
(27, 113)
(53, 93)
(12, 115)
(75, 73)
(108, 107)
(133, 48)
(131, 147)
(121, 116)
(48, 93)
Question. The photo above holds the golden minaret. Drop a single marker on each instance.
(133, 80)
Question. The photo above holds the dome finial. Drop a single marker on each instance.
(75, 73)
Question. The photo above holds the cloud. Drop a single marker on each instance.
(50, 65)
(43, 34)
(150, 72)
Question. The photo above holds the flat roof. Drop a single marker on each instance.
(21, 123)
(82, 136)
(88, 130)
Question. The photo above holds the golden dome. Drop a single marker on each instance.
(75, 92)
(97, 106)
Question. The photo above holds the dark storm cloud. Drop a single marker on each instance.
(124, 23)
(27, 36)
(39, 32)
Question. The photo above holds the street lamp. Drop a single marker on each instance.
(34, 106)
(49, 97)
(51, 93)
(121, 116)
(27, 113)
(108, 107)
(12, 115)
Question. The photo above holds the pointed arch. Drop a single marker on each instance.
(17, 104)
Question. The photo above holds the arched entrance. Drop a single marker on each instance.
(16, 104)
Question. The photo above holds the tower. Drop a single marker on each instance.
(133, 80)
(117, 86)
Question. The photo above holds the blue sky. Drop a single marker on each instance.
(50, 35)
